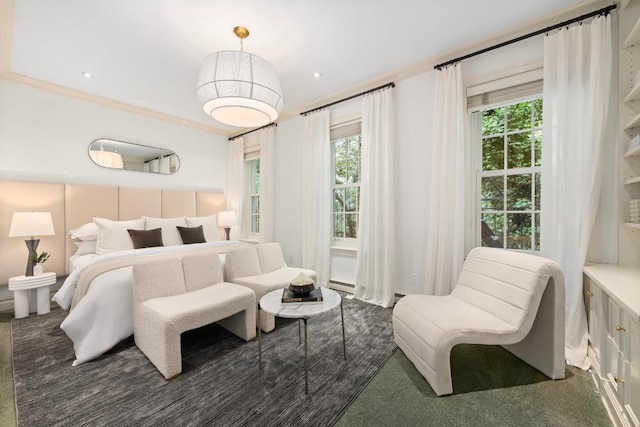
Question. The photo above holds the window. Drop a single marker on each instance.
(345, 154)
(253, 194)
(510, 176)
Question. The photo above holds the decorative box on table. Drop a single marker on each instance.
(301, 289)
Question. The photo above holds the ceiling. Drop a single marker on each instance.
(147, 53)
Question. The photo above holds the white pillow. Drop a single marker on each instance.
(88, 231)
(209, 226)
(170, 234)
(113, 235)
(86, 247)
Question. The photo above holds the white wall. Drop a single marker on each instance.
(413, 100)
(288, 191)
(414, 108)
(414, 105)
(45, 137)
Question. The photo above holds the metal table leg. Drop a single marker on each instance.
(259, 339)
(306, 381)
(344, 341)
(299, 333)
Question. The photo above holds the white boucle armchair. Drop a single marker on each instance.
(180, 293)
(262, 269)
(503, 298)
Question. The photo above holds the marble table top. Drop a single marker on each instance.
(272, 304)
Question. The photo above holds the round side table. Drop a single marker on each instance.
(272, 303)
(31, 293)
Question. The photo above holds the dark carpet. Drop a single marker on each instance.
(220, 384)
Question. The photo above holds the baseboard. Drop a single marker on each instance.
(342, 286)
(351, 289)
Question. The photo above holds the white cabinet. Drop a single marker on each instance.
(615, 354)
(612, 300)
(632, 371)
(593, 303)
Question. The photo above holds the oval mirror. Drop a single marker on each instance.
(133, 157)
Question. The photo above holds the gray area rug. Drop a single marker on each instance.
(220, 384)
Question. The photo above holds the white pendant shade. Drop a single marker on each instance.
(239, 89)
(107, 159)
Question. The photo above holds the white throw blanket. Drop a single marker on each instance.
(104, 315)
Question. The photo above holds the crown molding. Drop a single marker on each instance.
(6, 32)
(84, 96)
(423, 66)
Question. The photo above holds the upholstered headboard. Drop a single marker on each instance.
(72, 205)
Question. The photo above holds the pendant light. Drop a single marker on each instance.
(238, 88)
(107, 159)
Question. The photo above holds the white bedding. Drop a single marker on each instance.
(77, 261)
(103, 317)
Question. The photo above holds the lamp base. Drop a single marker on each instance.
(226, 232)
(32, 245)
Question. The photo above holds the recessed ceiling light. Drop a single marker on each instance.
(87, 74)
(317, 75)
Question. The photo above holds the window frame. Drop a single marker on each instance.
(252, 176)
(506, 172)
(340, 242)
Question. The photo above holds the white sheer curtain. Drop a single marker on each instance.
(577, 84)
(445, 240)
(235, 184)
(153, 165)
(374, 279)
(164, 164)
(267, 183)
(316, 194)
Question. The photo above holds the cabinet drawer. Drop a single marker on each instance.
(614, 323)
(615, 369)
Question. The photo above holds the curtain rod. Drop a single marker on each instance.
(390, 84)
(604, 11)
(248, 132)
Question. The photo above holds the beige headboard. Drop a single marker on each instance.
(72, 205)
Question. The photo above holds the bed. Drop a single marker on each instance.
(100, 309)
(99, 299)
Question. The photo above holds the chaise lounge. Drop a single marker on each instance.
(503, 298)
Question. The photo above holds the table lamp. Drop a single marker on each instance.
(31, 224)
(226, 219)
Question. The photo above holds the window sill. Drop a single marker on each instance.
(250, 240)
(344, 251)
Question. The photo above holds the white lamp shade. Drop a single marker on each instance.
(107, 159)
(31, 224)
(239, 89)
(226, 218)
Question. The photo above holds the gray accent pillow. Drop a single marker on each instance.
(146, 238)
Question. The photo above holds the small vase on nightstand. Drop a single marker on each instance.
(37, 269)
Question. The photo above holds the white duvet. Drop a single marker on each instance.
(104, 316)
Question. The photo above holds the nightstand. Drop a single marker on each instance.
(31, 293)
